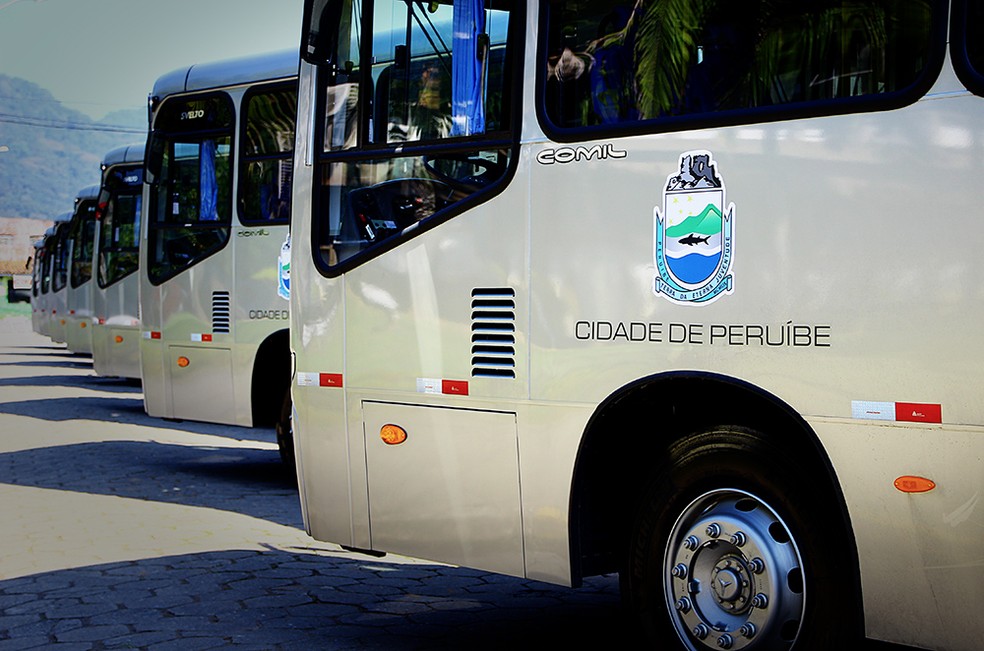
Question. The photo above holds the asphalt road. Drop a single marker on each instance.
(121, 531)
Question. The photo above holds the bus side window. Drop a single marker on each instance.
(267, 155)
(631, 64)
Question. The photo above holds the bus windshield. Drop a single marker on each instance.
(82, 241)
(59, 260)
(191, 198)
(44, 259)
(119, 224)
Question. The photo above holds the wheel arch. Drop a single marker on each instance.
(612, 472)
(270, 379)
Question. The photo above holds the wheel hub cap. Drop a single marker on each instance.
(734, 565)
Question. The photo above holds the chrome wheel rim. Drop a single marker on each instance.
(733, 575)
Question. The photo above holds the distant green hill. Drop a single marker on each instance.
(52, 151)
(707, 222)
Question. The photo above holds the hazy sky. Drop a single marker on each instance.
(99, 56)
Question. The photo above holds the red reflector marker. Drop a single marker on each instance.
(913, 484)
(914, 412)
(330, 379)
(454, 387)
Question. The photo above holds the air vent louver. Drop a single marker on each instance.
(493, 332)
(221, 312)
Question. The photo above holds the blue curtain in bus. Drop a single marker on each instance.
(467, 109)
(207, 187)
(135, 237)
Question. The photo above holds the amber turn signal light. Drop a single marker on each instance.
(119, 339)
(913, 484)
(392, 434)
(183, 361)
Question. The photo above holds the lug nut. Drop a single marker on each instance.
(747, 630)
(701, 631)
(726, 641)
(714, 530)
(756, 565)
(760, 601)
(683, 605)
(679, 571)
(692, 543)
(738, 539)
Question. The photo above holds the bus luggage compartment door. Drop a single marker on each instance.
(201, 384)
(450, 492)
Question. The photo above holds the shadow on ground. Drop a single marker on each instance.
(244, 480)
(295, 600)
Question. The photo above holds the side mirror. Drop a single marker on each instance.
(154, 158)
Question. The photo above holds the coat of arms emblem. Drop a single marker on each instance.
(694, 234)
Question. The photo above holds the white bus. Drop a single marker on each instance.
(81, 241)
(37, 273)
(59, 260)
(115, 300)
(214, 313)
(683, 291)
(41, 282)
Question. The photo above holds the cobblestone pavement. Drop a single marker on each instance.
(120, 531)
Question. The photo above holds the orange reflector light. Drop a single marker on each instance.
(119, 339)
(912, 484)
(392, 434)
(83, 324)
(183, 361)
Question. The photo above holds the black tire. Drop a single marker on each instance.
(285, 432)
(738, 546)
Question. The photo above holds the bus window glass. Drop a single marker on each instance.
(37, 272)
(437, 80)
(82, 243)
(59, 264)
(412, 71)
(267, 156)
(623, 63)
(119, 224)
(191, 199)
(970, 62)
(372, 200)
(342, 108)
(49, 252)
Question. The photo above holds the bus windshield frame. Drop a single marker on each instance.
(191, 146)
(120, 205)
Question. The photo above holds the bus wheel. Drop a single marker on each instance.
(735, 549)
(285, 432)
